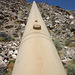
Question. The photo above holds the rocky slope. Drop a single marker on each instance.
(61, 25)
(13, 18)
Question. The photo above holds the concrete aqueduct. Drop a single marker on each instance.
(37, 53)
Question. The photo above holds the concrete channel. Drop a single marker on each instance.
(37, 53)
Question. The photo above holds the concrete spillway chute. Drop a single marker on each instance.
(37, 53)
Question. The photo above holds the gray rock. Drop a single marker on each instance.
(71, 17)
(2, 63)
(52, 27)
(48, 18)
(11, 52)
(9, 26)
(1, 17)
(14, 56)
(5, 36)
(2, 70)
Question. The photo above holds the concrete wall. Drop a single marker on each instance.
(37, 53)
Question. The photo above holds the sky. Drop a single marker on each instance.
(66, 4)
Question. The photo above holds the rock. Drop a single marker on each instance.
(23, 25)
(14, 44)
(71, 17)
(2, 66)
(67, 35)
(5, 36)
(57, 21)
(9, 26)
(48, 18)
(2, 63)
(73, 22)
(72, 52)
(1, 22)
(1, 58)
(14, 10)
(65, 47)
(22, 32)
(14, 56)
(68, 52)
(25, 18)
(2, 70)
(72, 30)
(63, 32)
(1, 17)
(18, 42)
(65, 59)
(52, 27)
(5, 60)
(15, 34)
(13, 47)
(16, 52)
(11, 52)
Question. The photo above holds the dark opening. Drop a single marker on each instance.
(36, 21)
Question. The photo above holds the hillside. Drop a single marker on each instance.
(13, 19)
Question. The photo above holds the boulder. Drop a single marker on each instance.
(5, 60)
(11, 52)
(2, 70)
(71, 17)
(9, 26)
(73, 22)
(5, 36)
(23, 25)
(16, 52)
(48, 18)
(14, 56)
(14, 44)
(1, 17)
(2, 63)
